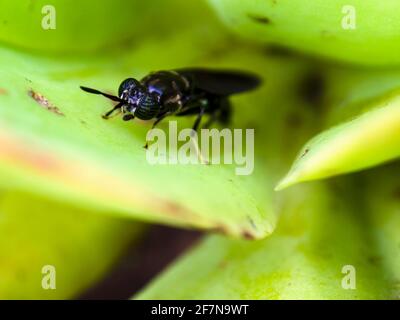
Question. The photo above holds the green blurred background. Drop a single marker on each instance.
(76, 192)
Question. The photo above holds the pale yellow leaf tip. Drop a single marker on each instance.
(286, 182)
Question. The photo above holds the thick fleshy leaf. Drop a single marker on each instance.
(63, 27)
(362, 127)
(54, 142)
(336, 29)
(321, 249)
(37, 234)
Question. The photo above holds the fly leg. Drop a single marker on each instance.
(198, 104)
(158, 120)
(118, 107)
(213, 117)
(198, 119)
(196, 141)
(221, 113)
(225, 113)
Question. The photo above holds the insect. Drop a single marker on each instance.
(181, 92)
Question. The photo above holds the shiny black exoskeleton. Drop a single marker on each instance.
(180, 92)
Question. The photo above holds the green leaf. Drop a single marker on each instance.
(37, 232)
(54, 141)
(363, 128)
(61, 27)
(335, 29)
(322, 230)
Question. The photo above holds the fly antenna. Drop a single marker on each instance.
(94, 91)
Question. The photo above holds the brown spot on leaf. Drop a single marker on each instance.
(259, 19)
(247, 235)
(3, 92)
(304, 153)
(221, 229)
(44, 102)
(175, 209)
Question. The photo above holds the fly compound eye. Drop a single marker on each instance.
(129, 84)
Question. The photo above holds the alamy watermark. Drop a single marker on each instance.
(211, 146)
(349, 20)
(49, 18)
(349, 280)
(49, 277)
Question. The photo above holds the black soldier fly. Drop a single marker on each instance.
(192, 91)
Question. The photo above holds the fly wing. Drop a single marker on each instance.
(220, 82)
